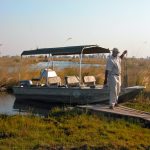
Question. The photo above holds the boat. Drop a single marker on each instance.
(74, 91)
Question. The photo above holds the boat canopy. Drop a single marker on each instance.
(70, 50)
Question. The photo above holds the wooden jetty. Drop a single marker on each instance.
(120, 111)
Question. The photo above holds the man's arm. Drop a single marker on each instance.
(122, 56)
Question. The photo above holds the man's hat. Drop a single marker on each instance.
(115, 50)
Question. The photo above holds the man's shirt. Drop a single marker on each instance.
(114, 65)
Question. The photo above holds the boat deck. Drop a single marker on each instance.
(120, 111)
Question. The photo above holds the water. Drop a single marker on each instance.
(61, 64)
(6, 104)
(10, 106)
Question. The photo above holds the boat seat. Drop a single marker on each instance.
(89, 80)
(72, 81)
(54, 80)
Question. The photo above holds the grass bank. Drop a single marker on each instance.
(141, 102)
(71, 129)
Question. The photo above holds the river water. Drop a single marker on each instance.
(10, 106)
(6, 104)
(62, 64)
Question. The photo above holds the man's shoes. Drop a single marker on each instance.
(111, 107)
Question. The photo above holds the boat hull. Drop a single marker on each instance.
(74, 95)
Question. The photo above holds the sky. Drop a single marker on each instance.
(32, 24)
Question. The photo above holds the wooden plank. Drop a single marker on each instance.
(120, 110)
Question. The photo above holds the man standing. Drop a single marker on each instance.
(113, 76)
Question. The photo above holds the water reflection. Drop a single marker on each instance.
(6, 104)
(36, 108)
(10, 105)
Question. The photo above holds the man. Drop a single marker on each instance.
(113, 76)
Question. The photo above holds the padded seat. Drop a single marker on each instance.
(54, 80)
(89, 80)
(72, 81)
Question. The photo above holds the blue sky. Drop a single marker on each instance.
(31, 24)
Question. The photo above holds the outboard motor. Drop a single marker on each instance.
(25, 83)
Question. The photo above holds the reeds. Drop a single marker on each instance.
(138, 70)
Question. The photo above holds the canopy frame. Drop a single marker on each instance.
(71, 50)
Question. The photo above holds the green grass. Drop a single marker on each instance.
(143, 105)
(71, 129)
(141, 102)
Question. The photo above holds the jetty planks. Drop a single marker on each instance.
(120, 111)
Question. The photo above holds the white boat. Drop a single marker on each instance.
(74, 91)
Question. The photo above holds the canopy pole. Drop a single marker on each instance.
(52, 63)
(19, 76)
(125, 72)
(80, 72)
(48, 61)
(50, 58)
(47, 69)
(80, 57)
